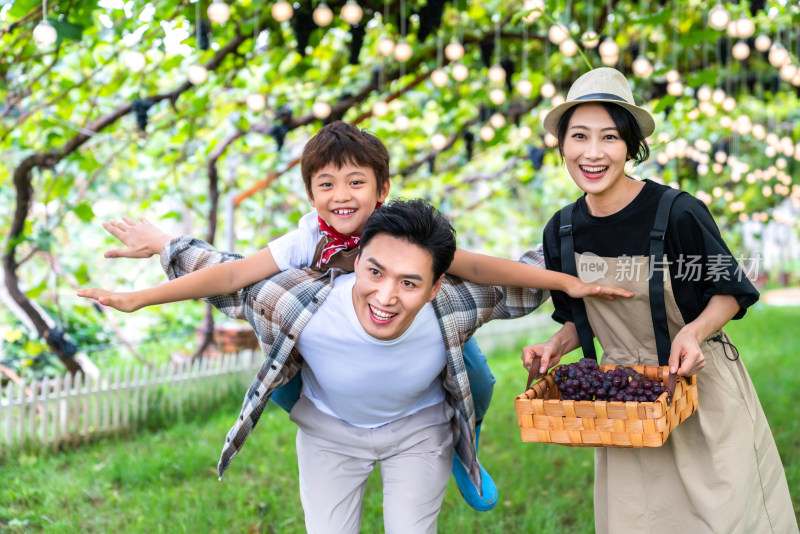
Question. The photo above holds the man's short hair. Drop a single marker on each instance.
(339, 143)
(419, 223)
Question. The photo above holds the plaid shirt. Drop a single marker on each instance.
(279, 307)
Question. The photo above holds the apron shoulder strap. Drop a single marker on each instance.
(585, 334)
(658, 309)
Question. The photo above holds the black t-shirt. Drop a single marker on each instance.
(700, 263)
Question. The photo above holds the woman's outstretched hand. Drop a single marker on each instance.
(141, 238)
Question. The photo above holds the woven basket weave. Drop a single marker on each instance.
(543, 417)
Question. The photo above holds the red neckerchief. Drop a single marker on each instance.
(337, 241)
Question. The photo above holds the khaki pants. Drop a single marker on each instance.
(415, 456)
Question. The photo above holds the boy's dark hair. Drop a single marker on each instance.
(340, 143)
(626, 125)
(417, 222)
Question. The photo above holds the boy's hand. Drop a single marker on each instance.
(581, 289)
(119, 301)
(140, 238)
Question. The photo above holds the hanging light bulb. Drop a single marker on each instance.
(525, 132)
(380, 109)
(497, 96)
(135, 61)
(403, 51)
(763, 43)
(497, 74)
(385, 47)
(693, 114)
(524, 87)
(536, 8)
(733, 29)
(718, 17)
(568, 47)
(487, 133)
(663, 137)
(718, 96)
(402, 123)
(729, 104)
(704, 93)
(321, 110)
(460, 72)
(675, 88)
(219, 12)
(44, 34)
(759, 132)
(672, 76)
(778, 55)
(256, 101)
(282, 10)
(557, 33)
(741, 51)
(707, 108)
(323, 15)
(725, 121)
(352, 12)
(454, 51)
(497, 121)
(788, 71)
(642, 67)
(609, 47)
(745, 126)
(745, 27)
(590, 39)
(198, 74)
(439, 78)
(548, 90)
(550, 140)
(438, 141)
(796, 79)
(662, 158)
(557, 100)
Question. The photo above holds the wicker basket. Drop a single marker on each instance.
(543, 417)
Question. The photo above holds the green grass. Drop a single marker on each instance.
(164, 481)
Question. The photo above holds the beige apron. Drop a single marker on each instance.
(719, 471)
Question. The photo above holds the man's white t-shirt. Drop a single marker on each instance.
(365, 381)
(295, 250)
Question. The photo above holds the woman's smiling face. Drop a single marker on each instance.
(594, 151)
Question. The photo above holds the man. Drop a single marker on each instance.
(383, 374)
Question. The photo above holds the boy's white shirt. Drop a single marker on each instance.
(295, 250)
(391, 373)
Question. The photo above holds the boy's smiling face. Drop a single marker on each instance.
(345, 196)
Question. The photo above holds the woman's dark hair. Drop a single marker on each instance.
(418, 223)
(626, 125)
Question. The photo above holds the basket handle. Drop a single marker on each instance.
(672, 382)
(537, 361)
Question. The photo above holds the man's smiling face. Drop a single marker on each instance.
(394, 280)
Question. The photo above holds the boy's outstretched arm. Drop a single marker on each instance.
(221, 279)
(142, 239)
(492, 271)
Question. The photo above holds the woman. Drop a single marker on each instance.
(719, 471)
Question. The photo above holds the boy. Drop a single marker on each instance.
(346, 175)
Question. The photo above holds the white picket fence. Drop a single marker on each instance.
(76, 408)
(71, 409)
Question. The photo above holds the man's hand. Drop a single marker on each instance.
(140, 238)
(581, 289)
(125, 302)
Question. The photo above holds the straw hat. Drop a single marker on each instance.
(601, 85)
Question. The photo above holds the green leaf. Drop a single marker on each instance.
(662, 17)
(67, 30)
(665, 101)
(84, 212)
(703, 77)
(82, 274)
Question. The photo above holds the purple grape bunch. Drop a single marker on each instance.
(584, 380)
